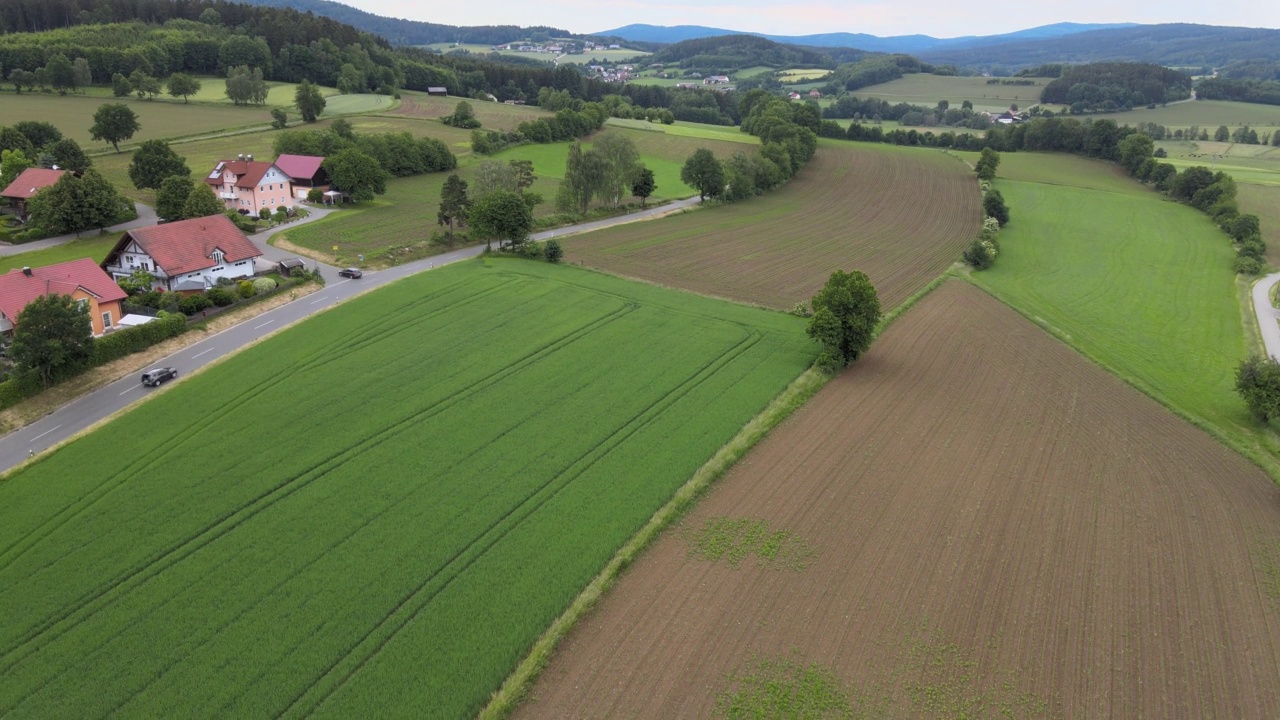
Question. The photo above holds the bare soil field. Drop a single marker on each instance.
(844, 210)
(987, 524)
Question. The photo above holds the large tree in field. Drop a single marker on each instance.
(644, 185)
(453, 203)
(52, 333)
(114, 123)
(154, 161)
(845, 314)
(703, 172)
(356, 174)
(621, 163)
(183, 85)
(309, 101)
(172, 196)
(501, 215)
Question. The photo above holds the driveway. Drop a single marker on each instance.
(1268, 316)
(89, 409)
(146, 216)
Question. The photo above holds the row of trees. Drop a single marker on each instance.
(608, 172)
(360, 163)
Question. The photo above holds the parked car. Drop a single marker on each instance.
(352, 273)
(155, 376)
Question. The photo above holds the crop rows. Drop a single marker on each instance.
(381, 511)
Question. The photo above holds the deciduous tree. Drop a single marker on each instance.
(68, 155)
(993, 205)
(309, 101)
(114, 122)
(12, 163)
(120, 85)
(703, 172)
(53, 333)
(845, 314)
(621, 162)
(154, 161)
(183, 85)
(987, 164)
(1258, 383)
(644, 185)
(501, 215)
(171, 198)
(201, 202)
(40, 133)
(356, 174)
(77, 203)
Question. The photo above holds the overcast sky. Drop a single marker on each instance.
(940, 18)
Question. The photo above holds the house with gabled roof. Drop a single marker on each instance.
(26, 185)
(184, 256)
(306, 172)
(82, 279)
(248, 186)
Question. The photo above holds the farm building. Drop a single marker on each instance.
(815, 94)
(26, 185)
(438, 91)
(249, 186)
(82, 279)
(189, 255)
(305, 172)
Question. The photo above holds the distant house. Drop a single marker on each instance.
(716, 80)
(82, 279)
(305, 173)
(815, 94)
(185, 256)
(615, 46)
(687, 86)
(438, 91)
(793, 95)
(249, 186)
(26, 185)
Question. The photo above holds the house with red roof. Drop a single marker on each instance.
(248, 186)
(305, 172)
(26, 185)
(82, 279)
(184, 256)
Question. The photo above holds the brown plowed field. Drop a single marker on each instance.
(1073, 539)
(901, 215)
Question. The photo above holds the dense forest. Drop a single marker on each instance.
(882, 69)
(1251, 70)
(1115, 86)
(1266, 92)
(729, 53)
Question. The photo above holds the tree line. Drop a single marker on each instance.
(1116, 86)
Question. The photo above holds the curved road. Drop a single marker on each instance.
(1268, 316)
(92, 408)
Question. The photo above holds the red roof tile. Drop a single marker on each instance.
(248, 174)
(31, 181)
(17, 288)
(188, 245)
(299, 166)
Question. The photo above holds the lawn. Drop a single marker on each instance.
(96, 248)
(1140, 284)
(377, 511)
(927, 90)
(73, 115)
(701, 131)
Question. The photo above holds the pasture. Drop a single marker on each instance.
(492, 115)
(214, 90)
(800, 76)
(1263, 201)
(73, 115)
(336, 105)
(702, 131)
(1208, 114)
(927, 90)
(842, 211)
(997, 528)
(376, 511)
(1140, 284)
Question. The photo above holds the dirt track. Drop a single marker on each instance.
(843, 211)
(1079, 543)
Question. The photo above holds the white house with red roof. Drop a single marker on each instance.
(306, 172)
(82, 279)
(189, 255)
(26, 185)
(249, 186)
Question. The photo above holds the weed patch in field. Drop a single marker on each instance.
(736, 539)
(784, 688)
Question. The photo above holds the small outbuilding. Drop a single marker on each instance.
(438, 91)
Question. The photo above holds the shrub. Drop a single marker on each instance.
(135, 339)
(264, 214)
(981, 254)
(1252, 248)
(282, 214)
(192, 304)
(554, 252)
(169, 301)
(1258, 382)
(315, 195)
(1245, 265)
(245, 288)
(220, 296)
(263, 284)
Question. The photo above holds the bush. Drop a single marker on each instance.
(192, 304)
(1252, 248)
(245, 289)
(315, 195)
(1258, 382)
(1247, 265)
(553, 251)
(264, 214)
(262, 285)
(981, 254)
(282, 214)
(220, 296)
(135, 339)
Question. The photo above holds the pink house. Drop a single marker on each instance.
(249, 186)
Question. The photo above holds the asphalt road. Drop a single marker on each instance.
(89, 409)
(1267, 315)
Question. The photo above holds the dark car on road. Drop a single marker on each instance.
(155, 376)
(352, 273)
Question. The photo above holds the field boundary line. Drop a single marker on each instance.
(1265, 461)
(514, 689)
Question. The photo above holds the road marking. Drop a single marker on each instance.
(259, 327)
(313, 302)
(46, 432)
(135, 387)
(193, 357)
(344, 282)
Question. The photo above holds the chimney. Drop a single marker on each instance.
(249, 158)
(240, 157)
(26, 271)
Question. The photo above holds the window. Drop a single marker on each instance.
(83, 302)
(106, 320)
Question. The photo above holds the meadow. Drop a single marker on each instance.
(1138, 283)
(492, 115)
(1208, 114)
(376, 511)
(214, 90)
(96, 248)
(843, 210)
(927, 90)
